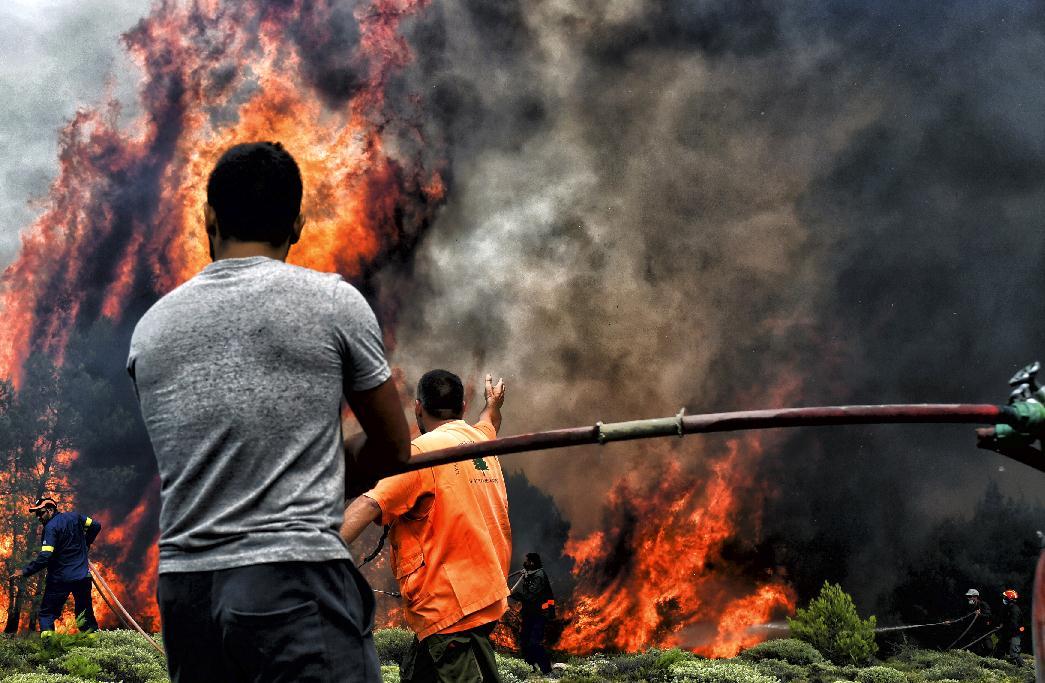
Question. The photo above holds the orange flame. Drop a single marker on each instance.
(656, 570)
(123, 222)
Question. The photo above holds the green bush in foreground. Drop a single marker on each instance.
(782, 671)
(41, 678)
(790, 650)
(126, 657)
(392, 644)
(717, 671)
(512, 670)
(880, 674)
(832, 626)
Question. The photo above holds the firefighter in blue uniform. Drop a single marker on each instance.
(66, 538)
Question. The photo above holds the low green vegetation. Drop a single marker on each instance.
(125, 656)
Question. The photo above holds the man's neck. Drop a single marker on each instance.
(432, 424)
(237, 249)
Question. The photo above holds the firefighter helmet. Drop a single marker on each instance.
(42, 503)
(1010, 594)
(972, 593)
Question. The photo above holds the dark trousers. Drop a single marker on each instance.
(1014, 654)
(55, 595)
(307, 622)
(532, 637)
(462, 657)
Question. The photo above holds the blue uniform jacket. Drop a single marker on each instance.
(66, 539)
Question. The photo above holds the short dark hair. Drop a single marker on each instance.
(255, 190)
(535, 559)
(441, 394)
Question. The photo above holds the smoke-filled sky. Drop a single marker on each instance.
(698, 203)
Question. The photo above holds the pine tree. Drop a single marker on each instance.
(832, 625)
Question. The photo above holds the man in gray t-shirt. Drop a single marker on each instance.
(240, 373)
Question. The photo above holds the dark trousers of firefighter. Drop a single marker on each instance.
(1014, 653)
(282, 622)
(532, 636)
(55, 595)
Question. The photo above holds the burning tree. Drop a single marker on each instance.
(34, 444)
(41, 428)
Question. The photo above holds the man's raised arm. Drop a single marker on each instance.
(384, 446)
(494, 400)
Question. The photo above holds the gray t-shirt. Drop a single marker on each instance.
(240, 374)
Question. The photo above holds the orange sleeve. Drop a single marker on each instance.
(486, 428)
(397, 495)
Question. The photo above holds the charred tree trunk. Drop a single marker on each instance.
(14, 610)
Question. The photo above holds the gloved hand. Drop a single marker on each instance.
(1025, 424)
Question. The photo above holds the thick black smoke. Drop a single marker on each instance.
(725, 205)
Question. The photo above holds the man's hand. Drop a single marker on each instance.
(1002, 438)
(494, 400)
(494, 394)
(14, 577)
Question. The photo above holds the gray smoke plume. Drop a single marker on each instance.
(727, 205)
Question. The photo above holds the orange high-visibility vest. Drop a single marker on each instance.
(450, 537)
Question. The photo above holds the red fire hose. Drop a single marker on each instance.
(113, 603)
(682, 424)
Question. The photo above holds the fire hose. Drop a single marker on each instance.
(945, 622)
(985, 635)
(113, 603)
(681, 424)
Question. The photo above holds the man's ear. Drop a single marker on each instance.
(464, 408)
(210, 219)
(417, 408)
(295, 232)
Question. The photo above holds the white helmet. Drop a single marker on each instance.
(972, 593)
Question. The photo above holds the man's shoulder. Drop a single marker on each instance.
(448, 435)
(61, 520)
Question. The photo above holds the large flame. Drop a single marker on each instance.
(654, 576)
(123, 222)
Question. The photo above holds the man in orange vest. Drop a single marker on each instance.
(450, 537)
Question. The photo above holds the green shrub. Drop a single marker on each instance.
(790, 650)
(77, 664)
(880, 674)
(512, 669)
(125, 662)
(18, 654)
(826, 672)
(390, 673)
(717, 671)
(668, 658)
(782, 670)
(832, 626)
(392, 644)
(637, 666)
(40, 678)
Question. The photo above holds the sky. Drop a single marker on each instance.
(55, 56)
